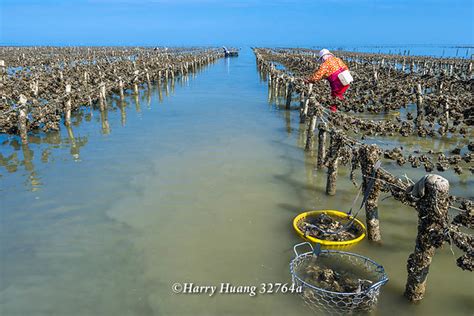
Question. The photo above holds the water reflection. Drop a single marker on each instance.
(75, 149)
(288, 122)
(160, 92)
(105, 122)
(23, 155)
(148, 98)
(123, 112)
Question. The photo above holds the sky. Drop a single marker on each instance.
(236, 22)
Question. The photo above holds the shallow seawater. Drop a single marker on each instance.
(198, 185)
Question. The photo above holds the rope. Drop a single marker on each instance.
(352, 218)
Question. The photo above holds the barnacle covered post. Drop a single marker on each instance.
(148, 81)
(335, 145)
(275, 87)
(310, 133)
(135, 82)
(289, 93)
(102, 96)
(67, 113)
(305, 106)
(22, 119)
(322, 128)
(369, 155)
(445, 116)
(432, 192)
(3, 71)
(420, 110)
(121, 88)
(463, 240)
(302, 101)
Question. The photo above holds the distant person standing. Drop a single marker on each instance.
(336, 72)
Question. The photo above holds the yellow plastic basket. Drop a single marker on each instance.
(328, 243)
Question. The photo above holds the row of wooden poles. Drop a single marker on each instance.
(280, 83)
(77, 143)
(164, 81)
(434, 68)
(432, 207)
(461, 68)
(99, 94)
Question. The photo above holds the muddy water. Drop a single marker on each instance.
(200, 187)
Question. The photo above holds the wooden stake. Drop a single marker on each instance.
(23, 119)
(2, 70)
(67, 113)
(420, 111)
(289, 93)
(148, 81)
(369, 155)
(304, 109)
(121, 88)
(135, 83)
(102, 98)
(302, 100)
(446, 110)
(322, 128)
(310, 133)
(335, 144)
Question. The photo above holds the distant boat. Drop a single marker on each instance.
(230, 53)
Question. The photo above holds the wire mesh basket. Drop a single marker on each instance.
(360, 300)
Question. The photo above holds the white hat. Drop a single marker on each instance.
(323, 52)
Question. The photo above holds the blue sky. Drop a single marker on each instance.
(235, 22)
